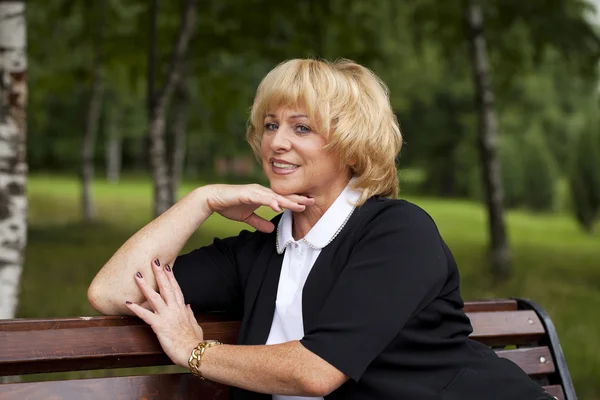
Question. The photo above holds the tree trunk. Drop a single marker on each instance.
(89, 139)
(177, 153)
(114, 143)
(92, 119)
(13, 162)
(488, 142)
(158, 103)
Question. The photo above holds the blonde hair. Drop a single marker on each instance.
(350, 104)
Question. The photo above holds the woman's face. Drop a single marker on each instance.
(293, 157)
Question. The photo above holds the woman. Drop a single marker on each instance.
(353, 296)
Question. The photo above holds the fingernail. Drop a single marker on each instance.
(138, 274)
(168, 268)
(157, 262)
(127, 302)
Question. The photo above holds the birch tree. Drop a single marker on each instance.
(93, 116)
(488, 142)
(13, 164)
(158, 100)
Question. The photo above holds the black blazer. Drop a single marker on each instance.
(381, 303)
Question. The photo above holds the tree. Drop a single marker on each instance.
(158, 100)
(488, 142)
(13, 163)
(584, 177)
(556, 24)
(93, 114)
(176, 155)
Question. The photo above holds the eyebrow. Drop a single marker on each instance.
(295, 116)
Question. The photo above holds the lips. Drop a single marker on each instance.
(282, 167)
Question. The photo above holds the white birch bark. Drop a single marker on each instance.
(13, 163)
(488, 143)
(158, 106)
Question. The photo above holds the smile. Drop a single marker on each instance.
(284, 165)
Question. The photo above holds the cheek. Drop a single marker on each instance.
(264, 147)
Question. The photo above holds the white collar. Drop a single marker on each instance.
(326, 228)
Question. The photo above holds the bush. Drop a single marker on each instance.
(539, 173)
(584, 177)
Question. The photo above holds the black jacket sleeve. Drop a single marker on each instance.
(209, 277)
(397, 266)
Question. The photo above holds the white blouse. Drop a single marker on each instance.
(299, 258)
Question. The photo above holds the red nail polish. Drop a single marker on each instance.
(168, 268)
(127, 302)
(157, 262)
(138, 274)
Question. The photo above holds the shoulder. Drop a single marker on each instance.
(394, 214)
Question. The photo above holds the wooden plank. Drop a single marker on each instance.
(499, 328)
(556, 391)
(490, 305)
(74, 349)
(32, 324)
(150, 387)
(535, 361)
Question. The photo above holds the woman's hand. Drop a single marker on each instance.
(173, 322)
(238, 203)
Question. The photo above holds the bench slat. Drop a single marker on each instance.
(535, 361)
(31, 324)
(556, 391)
(499, 328)
(75, 349)
(491, 305)
(149, 387)
(155, 387)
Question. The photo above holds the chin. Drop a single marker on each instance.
(284, 188)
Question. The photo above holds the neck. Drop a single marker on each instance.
(304, 221)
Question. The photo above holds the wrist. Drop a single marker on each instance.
(202, 196)
(197, 355)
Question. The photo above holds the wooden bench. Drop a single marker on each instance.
(516, 328)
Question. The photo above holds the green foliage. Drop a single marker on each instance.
(540, 172)
(584, 176)
(513, 171)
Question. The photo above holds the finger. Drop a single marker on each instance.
(307, 201)
(174, 284)
(147, 316)
(164, 285)
(154, 299)
(259, 223)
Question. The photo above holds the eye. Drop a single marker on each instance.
(270, 126)
(303, 129)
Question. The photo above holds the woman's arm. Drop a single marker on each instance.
(287, 368)
(163, 238)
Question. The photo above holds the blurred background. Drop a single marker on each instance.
(133, 103)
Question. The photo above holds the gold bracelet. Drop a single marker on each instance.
(196, 356)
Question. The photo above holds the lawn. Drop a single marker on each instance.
(555, 264)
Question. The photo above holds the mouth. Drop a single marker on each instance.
(281, 167)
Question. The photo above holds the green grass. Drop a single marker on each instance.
(555, 264)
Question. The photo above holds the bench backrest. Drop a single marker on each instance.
(516, 329)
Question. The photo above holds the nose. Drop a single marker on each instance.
(280, 141)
